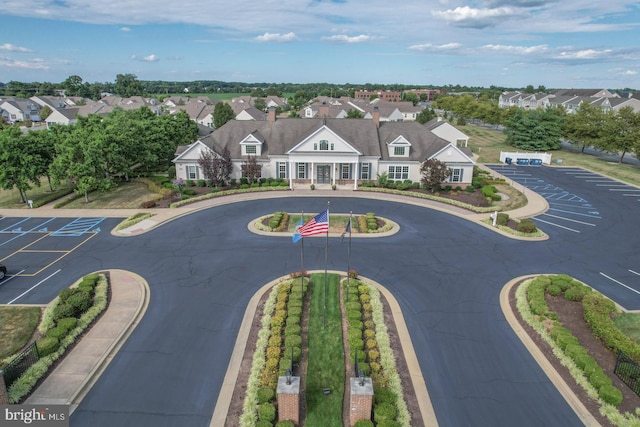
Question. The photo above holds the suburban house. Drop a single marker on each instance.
(569, 99)
(326, 151)
(15, 109)
(340, 107)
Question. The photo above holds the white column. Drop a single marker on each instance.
(312, 172)
(291, 172)
(356, 175)
(334, 173)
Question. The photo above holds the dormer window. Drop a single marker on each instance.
(398, 151)
(324, 145)
(250, 149)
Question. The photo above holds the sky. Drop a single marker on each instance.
(505, 43)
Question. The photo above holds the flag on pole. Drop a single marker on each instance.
(346, 230)
(296, 234)
(317, 225)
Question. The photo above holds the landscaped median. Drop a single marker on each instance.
(303, 318)
(585, 362)
(63, 321)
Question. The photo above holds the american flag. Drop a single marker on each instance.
(317, 225)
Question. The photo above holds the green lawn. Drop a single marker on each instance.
(127, 195)
(17, 325)
(10, 199)
(325, 368)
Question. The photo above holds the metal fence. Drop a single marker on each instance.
(628, 371)
(21, 363)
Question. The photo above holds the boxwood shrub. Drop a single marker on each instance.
(47, 345)
(384, 411)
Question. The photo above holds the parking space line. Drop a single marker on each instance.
(34, 286)
(569, 219)
(610, 185)
(9, 277)
(620, 283)
(575, 213)
(635, 272)
(557, 225)
(17, 223)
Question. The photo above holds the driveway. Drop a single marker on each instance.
(445, 272)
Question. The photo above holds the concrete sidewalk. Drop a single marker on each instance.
(82, 366)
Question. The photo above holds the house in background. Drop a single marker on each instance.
(15, 109)
(326, 152)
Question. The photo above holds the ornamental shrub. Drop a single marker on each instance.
(502, 218)
(292, 330)
(293, 320)
(57, 332)
(526, 226)
(265, 394)
(273, 352)
(47, 345)
(295, 311)
(576, 293)
(286, 423)
(599, 379)
(63, 310)
(610, 395)
(67, 323)
(374, 355)
(554, 290)
(384, 411)
(363, 423)
(354, 315)
(263, 423)
(353, 305)
(365, 298)
(356, 324)
(293, 341)
(371, 344)
(296, 353)
(356, 344)
(389, 423)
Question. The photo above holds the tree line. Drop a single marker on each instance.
(93, 154)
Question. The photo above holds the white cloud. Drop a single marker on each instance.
(276, 37)
(582, 54)
(342, 38)
(13, 48)
(516, 50)
(125, 29)
(148, 58)
(429, 47)
(469, 17)
(30, 65)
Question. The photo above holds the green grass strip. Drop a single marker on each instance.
(325, 369)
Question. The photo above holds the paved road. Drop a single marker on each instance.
(445, 272)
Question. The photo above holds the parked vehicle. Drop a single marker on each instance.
(3, 271)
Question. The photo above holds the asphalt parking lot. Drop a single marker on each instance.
(34, 250)
(594, 211)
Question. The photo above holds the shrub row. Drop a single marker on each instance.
(564, 339)
(279, 221)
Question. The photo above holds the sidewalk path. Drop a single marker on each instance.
(82, 366)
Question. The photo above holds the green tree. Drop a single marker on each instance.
(585, 127)
(425, 115)
(410, 97)
(535, 130)
(72, 85)
(128, 85)
(45, 112)
(81, 158)
(260, 104)
(354, 114)
(222, 113)
(18, 162)
(434, 172)
(622, 132)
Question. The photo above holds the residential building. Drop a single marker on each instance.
(326, 151)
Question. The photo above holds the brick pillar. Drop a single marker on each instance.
(4, 397)
(289, 399)
(361, 400)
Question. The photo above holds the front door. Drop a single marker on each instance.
(324, 174)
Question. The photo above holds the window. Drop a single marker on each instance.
(456, 175)
(315, 146)
(332, 146)
(192, 172)
(365, 170)
(250, 149)
(302, 170)
(282, 170)
(398, 173)
(398, 151)
(324, 145)
(346, 169)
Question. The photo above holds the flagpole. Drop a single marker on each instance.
(349, 255)
(302, 258)
(326, 261)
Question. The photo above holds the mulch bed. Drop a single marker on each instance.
(571, 315)
(235, 409)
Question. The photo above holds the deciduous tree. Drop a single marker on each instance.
(434, 172)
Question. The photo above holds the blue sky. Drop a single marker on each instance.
(510, 43)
